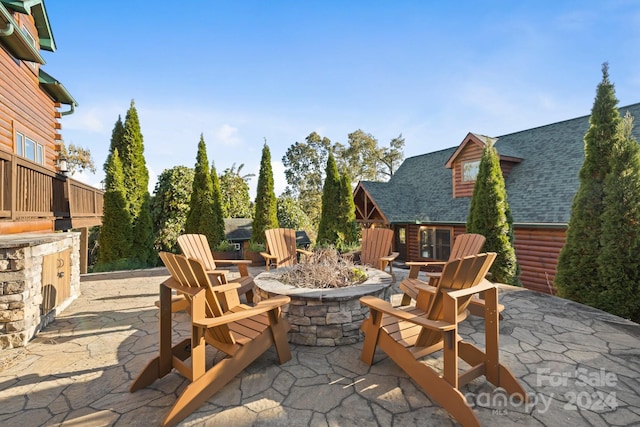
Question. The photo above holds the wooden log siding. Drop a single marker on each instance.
(471, 152)
(25, 107)
(537, 251)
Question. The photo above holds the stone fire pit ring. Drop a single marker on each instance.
(324, 317)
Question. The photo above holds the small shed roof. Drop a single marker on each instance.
(238, 229)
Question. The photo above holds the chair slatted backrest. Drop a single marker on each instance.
(192, 273)
(281, 243)
(466, 244)
(461, 273)
(376, 243)
(196, 246)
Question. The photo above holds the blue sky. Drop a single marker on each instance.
(242, 71)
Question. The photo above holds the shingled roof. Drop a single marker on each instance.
(540, 189)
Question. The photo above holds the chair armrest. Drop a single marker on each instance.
(233, 261)
(484, 285)
(304, 252)
(171, 283)
(377, 304)
(268, 256)
(226, 287)
(262, 307)
(240, 263)
(217, 272)
(425, 263)
(414, 266)
(390, 257)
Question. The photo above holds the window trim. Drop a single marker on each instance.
(20, 148)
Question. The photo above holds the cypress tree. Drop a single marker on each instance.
(489, 215)
(115, 233)
(347, 218)
(330, 229)
(218, 217)
(619, 258)
(142, 245)
(134, 166)
(577, 275)
(200, 217)
(266, 214)
(116, 143)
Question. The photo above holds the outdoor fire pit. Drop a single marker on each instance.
(327, 316)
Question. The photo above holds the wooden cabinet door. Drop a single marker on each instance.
(56, 279)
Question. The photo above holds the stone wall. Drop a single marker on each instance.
(324, 323)
(21, 262)
(324, 317)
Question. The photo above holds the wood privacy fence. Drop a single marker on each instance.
(29, 191)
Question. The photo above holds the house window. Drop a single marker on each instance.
(435, 243)
(29, 37)
(32, 41)
(402, 235)
(29, 149)
(470, 170)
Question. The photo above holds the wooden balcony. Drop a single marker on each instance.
(33, 198)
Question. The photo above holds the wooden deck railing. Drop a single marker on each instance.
(29, 191)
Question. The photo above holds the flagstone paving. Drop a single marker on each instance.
(580, 367)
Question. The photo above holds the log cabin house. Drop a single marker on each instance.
(39, 266)
(35, 194)
(427, 200)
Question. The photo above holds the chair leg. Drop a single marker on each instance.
(371, 329)
(435, 386)
(200, 390)
(505, 378)
(279, 327)
(152, 371)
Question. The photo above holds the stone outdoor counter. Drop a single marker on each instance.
(39, 277)
(324, 317)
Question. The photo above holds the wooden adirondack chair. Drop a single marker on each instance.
(407, 334)
(463, 245)
(281, 248)
(243, 333)
(376, 248)
(196, 246)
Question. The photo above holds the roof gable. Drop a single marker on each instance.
(481, 141)
(540, 188)
(470, 139)
(36, 9)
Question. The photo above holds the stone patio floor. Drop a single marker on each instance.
(580, 367)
